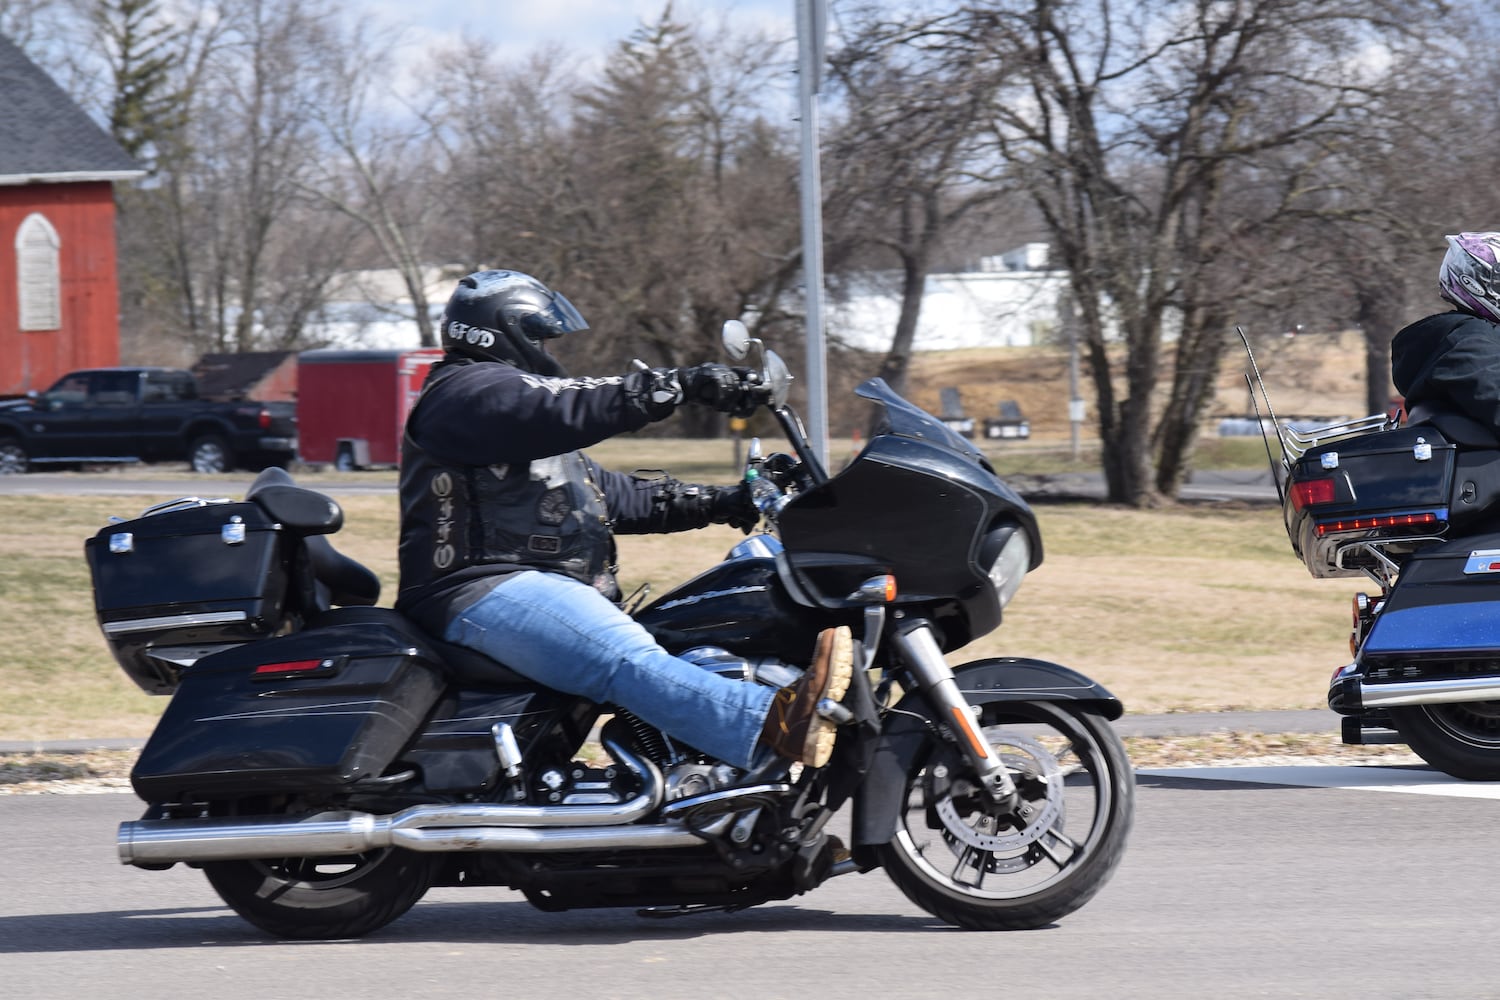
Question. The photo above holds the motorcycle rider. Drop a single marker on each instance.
(507, 528)
(1452, 359)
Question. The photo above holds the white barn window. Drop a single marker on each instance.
(38, 281)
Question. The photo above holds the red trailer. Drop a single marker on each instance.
(352, 405)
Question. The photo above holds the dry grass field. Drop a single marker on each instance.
(1190, 608)
(1186, 609)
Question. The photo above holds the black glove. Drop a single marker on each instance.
(654, 392)
(725, 389)
(734, 506)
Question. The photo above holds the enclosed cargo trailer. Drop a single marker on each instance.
(352, 404)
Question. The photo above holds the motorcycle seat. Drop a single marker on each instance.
(1462, 430)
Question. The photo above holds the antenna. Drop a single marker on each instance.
(1275, 425)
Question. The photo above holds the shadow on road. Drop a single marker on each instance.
(480, 922)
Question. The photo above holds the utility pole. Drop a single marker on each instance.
(812, 22)
(1075, 402)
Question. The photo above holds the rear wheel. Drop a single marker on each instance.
(13, 458)
(210, 455)
(963, 858)
(1462, 739)
(346, 896)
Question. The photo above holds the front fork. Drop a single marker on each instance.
(924, 658)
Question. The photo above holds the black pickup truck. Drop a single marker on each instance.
(141, 415)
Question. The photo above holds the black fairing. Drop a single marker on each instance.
(917, 502)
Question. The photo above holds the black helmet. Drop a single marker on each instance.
(504, 316)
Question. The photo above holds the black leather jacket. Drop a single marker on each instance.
(493, 481)
(1450, 360)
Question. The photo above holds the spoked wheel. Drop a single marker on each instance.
(1461, 739)
(345, 896)
(962, 857)
(13, 458)
(210, 455)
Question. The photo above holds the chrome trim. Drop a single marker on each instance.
(1298, 443)
(173, 621)
(924, 658)
(1434, 692)
(440, 827)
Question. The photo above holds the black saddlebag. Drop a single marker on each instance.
(325, 708)
(188, 579)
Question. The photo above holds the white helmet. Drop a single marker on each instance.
(1470, 274)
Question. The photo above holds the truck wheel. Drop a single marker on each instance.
(210, 455)
(12, 458)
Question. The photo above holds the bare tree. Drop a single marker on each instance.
(1131, 126)
(910, 156)
(383, 177)
(660, 197)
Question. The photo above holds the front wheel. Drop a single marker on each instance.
(1460, 739)
(324, 898)
(963, 858)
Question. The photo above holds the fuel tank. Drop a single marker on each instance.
(742, 605)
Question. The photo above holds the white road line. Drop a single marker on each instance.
(1413, 780)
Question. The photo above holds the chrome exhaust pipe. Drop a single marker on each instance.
(1433, 692)
(450, 827)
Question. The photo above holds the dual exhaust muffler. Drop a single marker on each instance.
(431, 828)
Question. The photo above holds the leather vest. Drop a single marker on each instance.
(459, 522)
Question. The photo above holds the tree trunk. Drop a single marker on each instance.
(897, 363)
(1375, 310)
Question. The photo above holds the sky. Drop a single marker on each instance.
(518, 27)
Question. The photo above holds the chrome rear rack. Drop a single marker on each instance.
(1297, 443)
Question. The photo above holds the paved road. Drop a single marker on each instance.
(1380, 886)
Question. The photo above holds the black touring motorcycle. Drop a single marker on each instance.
(324, 762)
(1413, 506)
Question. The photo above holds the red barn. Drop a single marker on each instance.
(59, 297)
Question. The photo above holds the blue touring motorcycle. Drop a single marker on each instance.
(324, 762)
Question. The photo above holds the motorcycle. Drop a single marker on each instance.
(324, 762)
(1412, 505)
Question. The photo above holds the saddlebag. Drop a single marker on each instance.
(185, 580)
(325, 708)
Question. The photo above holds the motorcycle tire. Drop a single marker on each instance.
(324, 898)
(957, 856)
(1462, 740)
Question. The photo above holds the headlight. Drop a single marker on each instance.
(1010, 566)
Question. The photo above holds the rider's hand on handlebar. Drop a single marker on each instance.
(728, 390)
(735, 506)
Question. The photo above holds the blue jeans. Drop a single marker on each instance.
(568, 636)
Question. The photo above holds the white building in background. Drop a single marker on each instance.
(372, 309)
(1011, 301)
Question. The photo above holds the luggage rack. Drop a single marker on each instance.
(1297, 443)
(1368, 556)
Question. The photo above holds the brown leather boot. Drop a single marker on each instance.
(794, 729)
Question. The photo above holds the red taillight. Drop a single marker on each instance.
(1312, 491)
(293, 667)
(265, 419)
(1386, 521)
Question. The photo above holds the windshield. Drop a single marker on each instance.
(906, 420)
